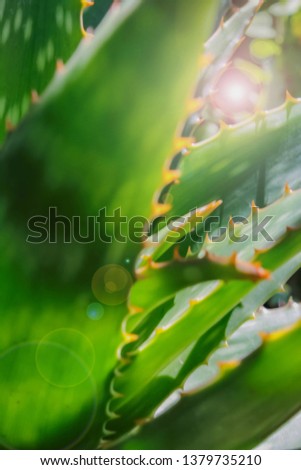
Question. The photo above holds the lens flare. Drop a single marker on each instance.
(235, 94)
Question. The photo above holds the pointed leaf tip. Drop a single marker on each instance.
(290, 99)
(287, 189)
(59, 65)
(9, 126)
(87, 3)
(34, 97)
(254, 207)
(260, 4)
(223, 126)
(170, 176)
(181, 143)
(160, 209)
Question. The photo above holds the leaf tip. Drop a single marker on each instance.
(287, 190)
(59, 66)
(34, 97)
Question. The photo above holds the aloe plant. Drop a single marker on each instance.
(107, 341)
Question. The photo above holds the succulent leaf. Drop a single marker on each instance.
(239, 163)
(134, 381)
(79, 165)
(243, 406)
(34, 37)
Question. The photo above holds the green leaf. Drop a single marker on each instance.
(219, 50)
(240, 409)
(159, 243)
(53, 370)
(225, 258)
(97, 130)
(222, 44)
(287, 437)
(285, 8)
(262, 49)
(259, 230)
(141, 384)
(34, 36)
(150, 297)
(95, 143)
(262, 26)
(251, 155)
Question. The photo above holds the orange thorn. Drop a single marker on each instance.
(160, 209)
(124, 361)
(147, 258)
(9, 126)
(259, 251)
(115, 4)
(223, 126)
(264, 336)
(259, 5)
(240, 41)
(34, 96)
(275, 335)
(134, 310)
(225, 366)
(234, 8)
(233, 258)
(181, 143)
(291, 229)
(231, 223)
(254, 207)
(176, 253)
(206, 59)
(290, 98)
(189, 253)
(222, 260)
(156, 265)
(130, 337)
(59, 65)
(222, 23)
(253, 269)
(87, 3)
(207, 240)
(159, 331)
(208, 207)
(114, 393)
(287, 189)
(169, 176)
(142, 421)
(260, 114)
(195, 105)
(141, 272)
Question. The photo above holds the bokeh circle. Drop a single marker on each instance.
(111, 284)
(65, 357)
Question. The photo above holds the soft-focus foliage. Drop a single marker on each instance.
(160, 112)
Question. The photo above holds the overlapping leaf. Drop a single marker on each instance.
(138, 390)
(188, 332)
(225, 258)
(249, 161)
(34, 36)
(246, 403)
(97, 158)
(84, 146)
